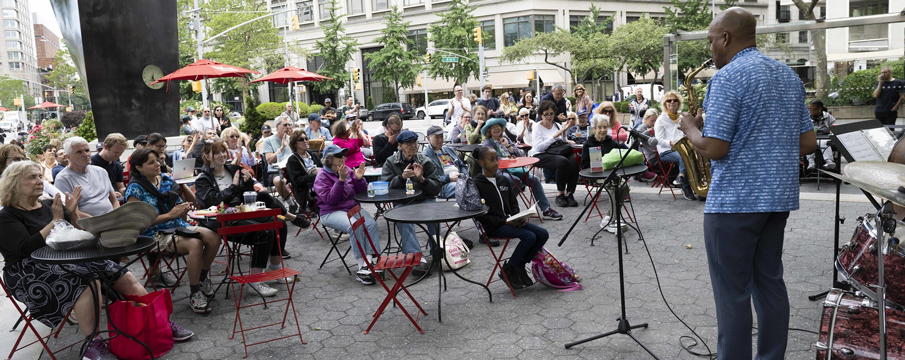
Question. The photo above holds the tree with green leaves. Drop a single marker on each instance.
(62, 77)
(9, 88)
(398, 61)
(336, 48)
(452, 32)
(691, 15)
(818, 38)
(639, 45)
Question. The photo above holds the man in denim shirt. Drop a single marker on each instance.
(448, 163)
(757, 127)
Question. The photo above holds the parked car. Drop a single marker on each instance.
(383, 111)
(436, 109)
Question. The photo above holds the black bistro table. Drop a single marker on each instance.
(595, 177)
(384, 203)
(432, 214)
(464, 149)
(77, 257)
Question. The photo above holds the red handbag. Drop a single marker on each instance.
(147, 319)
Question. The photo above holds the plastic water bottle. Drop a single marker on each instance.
(462, 137)
(370, 190)
(409, 187)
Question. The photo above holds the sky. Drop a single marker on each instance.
(45, 15)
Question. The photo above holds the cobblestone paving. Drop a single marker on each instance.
(334, 309)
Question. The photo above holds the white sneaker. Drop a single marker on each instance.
(198, 303)
(604, 221)
(812, 165)
(207, 288)
(829, 165)
(264, 289)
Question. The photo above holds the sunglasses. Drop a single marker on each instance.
(607, 111)
(670, 100)
(302, 140)
(572, 118)
(234, 136)
(287, 124)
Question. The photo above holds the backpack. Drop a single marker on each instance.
(467, 196)
(554, 273)
(456, 252)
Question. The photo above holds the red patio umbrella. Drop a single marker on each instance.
(289, 74)
(4, 109)
(205, 69)
(46, 105)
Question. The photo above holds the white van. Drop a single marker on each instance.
(7, 126)
(628, 92)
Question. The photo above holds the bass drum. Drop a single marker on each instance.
(849, 329)
(857, 263)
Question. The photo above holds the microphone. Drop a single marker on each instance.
(640, 135)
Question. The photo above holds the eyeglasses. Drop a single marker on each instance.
(207, 112)
(607, 111)
(286, 124)
(234, 136)
(670, 100)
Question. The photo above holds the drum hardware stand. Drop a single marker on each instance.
(886, 224)
(838, 220)
(624, 327)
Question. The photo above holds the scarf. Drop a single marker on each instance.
(672, 116)
(165, 201)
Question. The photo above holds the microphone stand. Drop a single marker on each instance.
(624, 326)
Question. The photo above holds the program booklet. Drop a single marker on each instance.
(530, 211)
(596, 158)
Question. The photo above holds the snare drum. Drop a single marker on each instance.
(849, 329)
(857, 263)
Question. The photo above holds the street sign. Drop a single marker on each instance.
(451, 59)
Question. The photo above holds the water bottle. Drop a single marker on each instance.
(370, 190)
(462, 137)
(409, 187)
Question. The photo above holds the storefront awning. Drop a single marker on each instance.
(867, 55)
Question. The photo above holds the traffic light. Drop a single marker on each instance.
(355, 74)
(427, 58)
(419, 81)
(477, 35)
(71, 89)
(531, 76)
(196, 86)
(295, 22)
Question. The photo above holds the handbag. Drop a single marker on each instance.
(611, 159)
(455, 252)
(147, 319)
(561, 148)
(467, 196)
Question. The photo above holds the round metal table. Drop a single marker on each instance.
(596, 176)
(432, 214)
(384, 203)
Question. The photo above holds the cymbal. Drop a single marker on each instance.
(876, 177)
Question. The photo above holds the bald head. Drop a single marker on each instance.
(731, 31)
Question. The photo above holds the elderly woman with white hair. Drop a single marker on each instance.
(50, 291)
(601, 138)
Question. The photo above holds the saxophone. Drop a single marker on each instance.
(697, 167)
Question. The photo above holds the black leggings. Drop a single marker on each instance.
(566, 170)
(272, 203)
(261, 244)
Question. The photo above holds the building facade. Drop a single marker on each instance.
(18, 58)
(46, 46)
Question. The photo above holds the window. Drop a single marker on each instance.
(412, 2)
(13, 45)
(355, 7)
(575, 21)
(12, 34)
(10, 13)
(378, 5)
(9, 3)
(802, 37)
(823, 12)
(11, 24)
(14, 55)
(868, 7)
(516, 28)
(281, 19)
(323, 8)
(420, 39)
(783, 13)
(305, 12)
(15, 66)
(488, 34)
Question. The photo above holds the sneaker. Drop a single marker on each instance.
(571, 200)
(628, 198)
(207, 288)
(364, 276)
(293, 208)
(180, 333)
(263, 289)
(493, 242)
(561, 201)
(523, 276)
(688, 194)
(551, 214)
(647, 176)
(514, 279)
(829, 165)
(301, 222)
(198, 303)
(612, 228)
(286, 255)
(812, 166)
(605, 221)
(98, 350)
(677, 182)
(421, 269)
(163, 279)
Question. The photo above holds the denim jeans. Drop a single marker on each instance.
(673, 157)
(408, 239)
(339, 221)
(531, 239)
(536, 188)
(448, 191)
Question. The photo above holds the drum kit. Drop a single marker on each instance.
(873, 264)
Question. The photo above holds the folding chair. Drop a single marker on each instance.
(165, 266)
(662, 179)
(27, 318)
(333, 247)
(497, 258)
(243, 280)
(308, 214)
(387, 263)
(525, 186)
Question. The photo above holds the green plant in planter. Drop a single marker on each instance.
(41, 135)
(86, 129)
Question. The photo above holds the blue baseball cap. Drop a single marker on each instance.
(335, 151)
(406, 136)
(314, 117)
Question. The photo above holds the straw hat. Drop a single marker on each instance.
(121, 226)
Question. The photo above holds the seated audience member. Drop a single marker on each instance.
(473, 129)
(601, 138)
(822, 122)
(449, 166)
(547, 133)
(50, 291)
(139, 142)
(220, 182)
(458, 134)
(582, 129)
(198, 145)
(607, 108)
(158, 143)
(350, 136)
(186, 128)
(667, 131)
(62, 163)
(49, 162)
(11, 153)
(386, 144)
(303, 167)
(506, 148)
(408, 164)
(524, 127)
(503, 202)
(235, 144)
(148, 184)
(266, 132)
(336, 186)
(315, 131)
(276, 150)
(108, 159)
(185, 150)
(98, 196)
(650, 151)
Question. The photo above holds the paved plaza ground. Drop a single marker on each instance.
(334, 309)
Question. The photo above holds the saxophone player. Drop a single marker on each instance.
(757, 127)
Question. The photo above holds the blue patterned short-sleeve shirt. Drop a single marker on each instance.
(138, 192)
(757, 104)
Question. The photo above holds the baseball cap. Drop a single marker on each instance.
(314, 117)
(186, 118)
(406, 136)
(190, 109)
(333, 150)
(140, 139)
(583, 112)
(328, 100)
(266, 128)
(434, 130)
